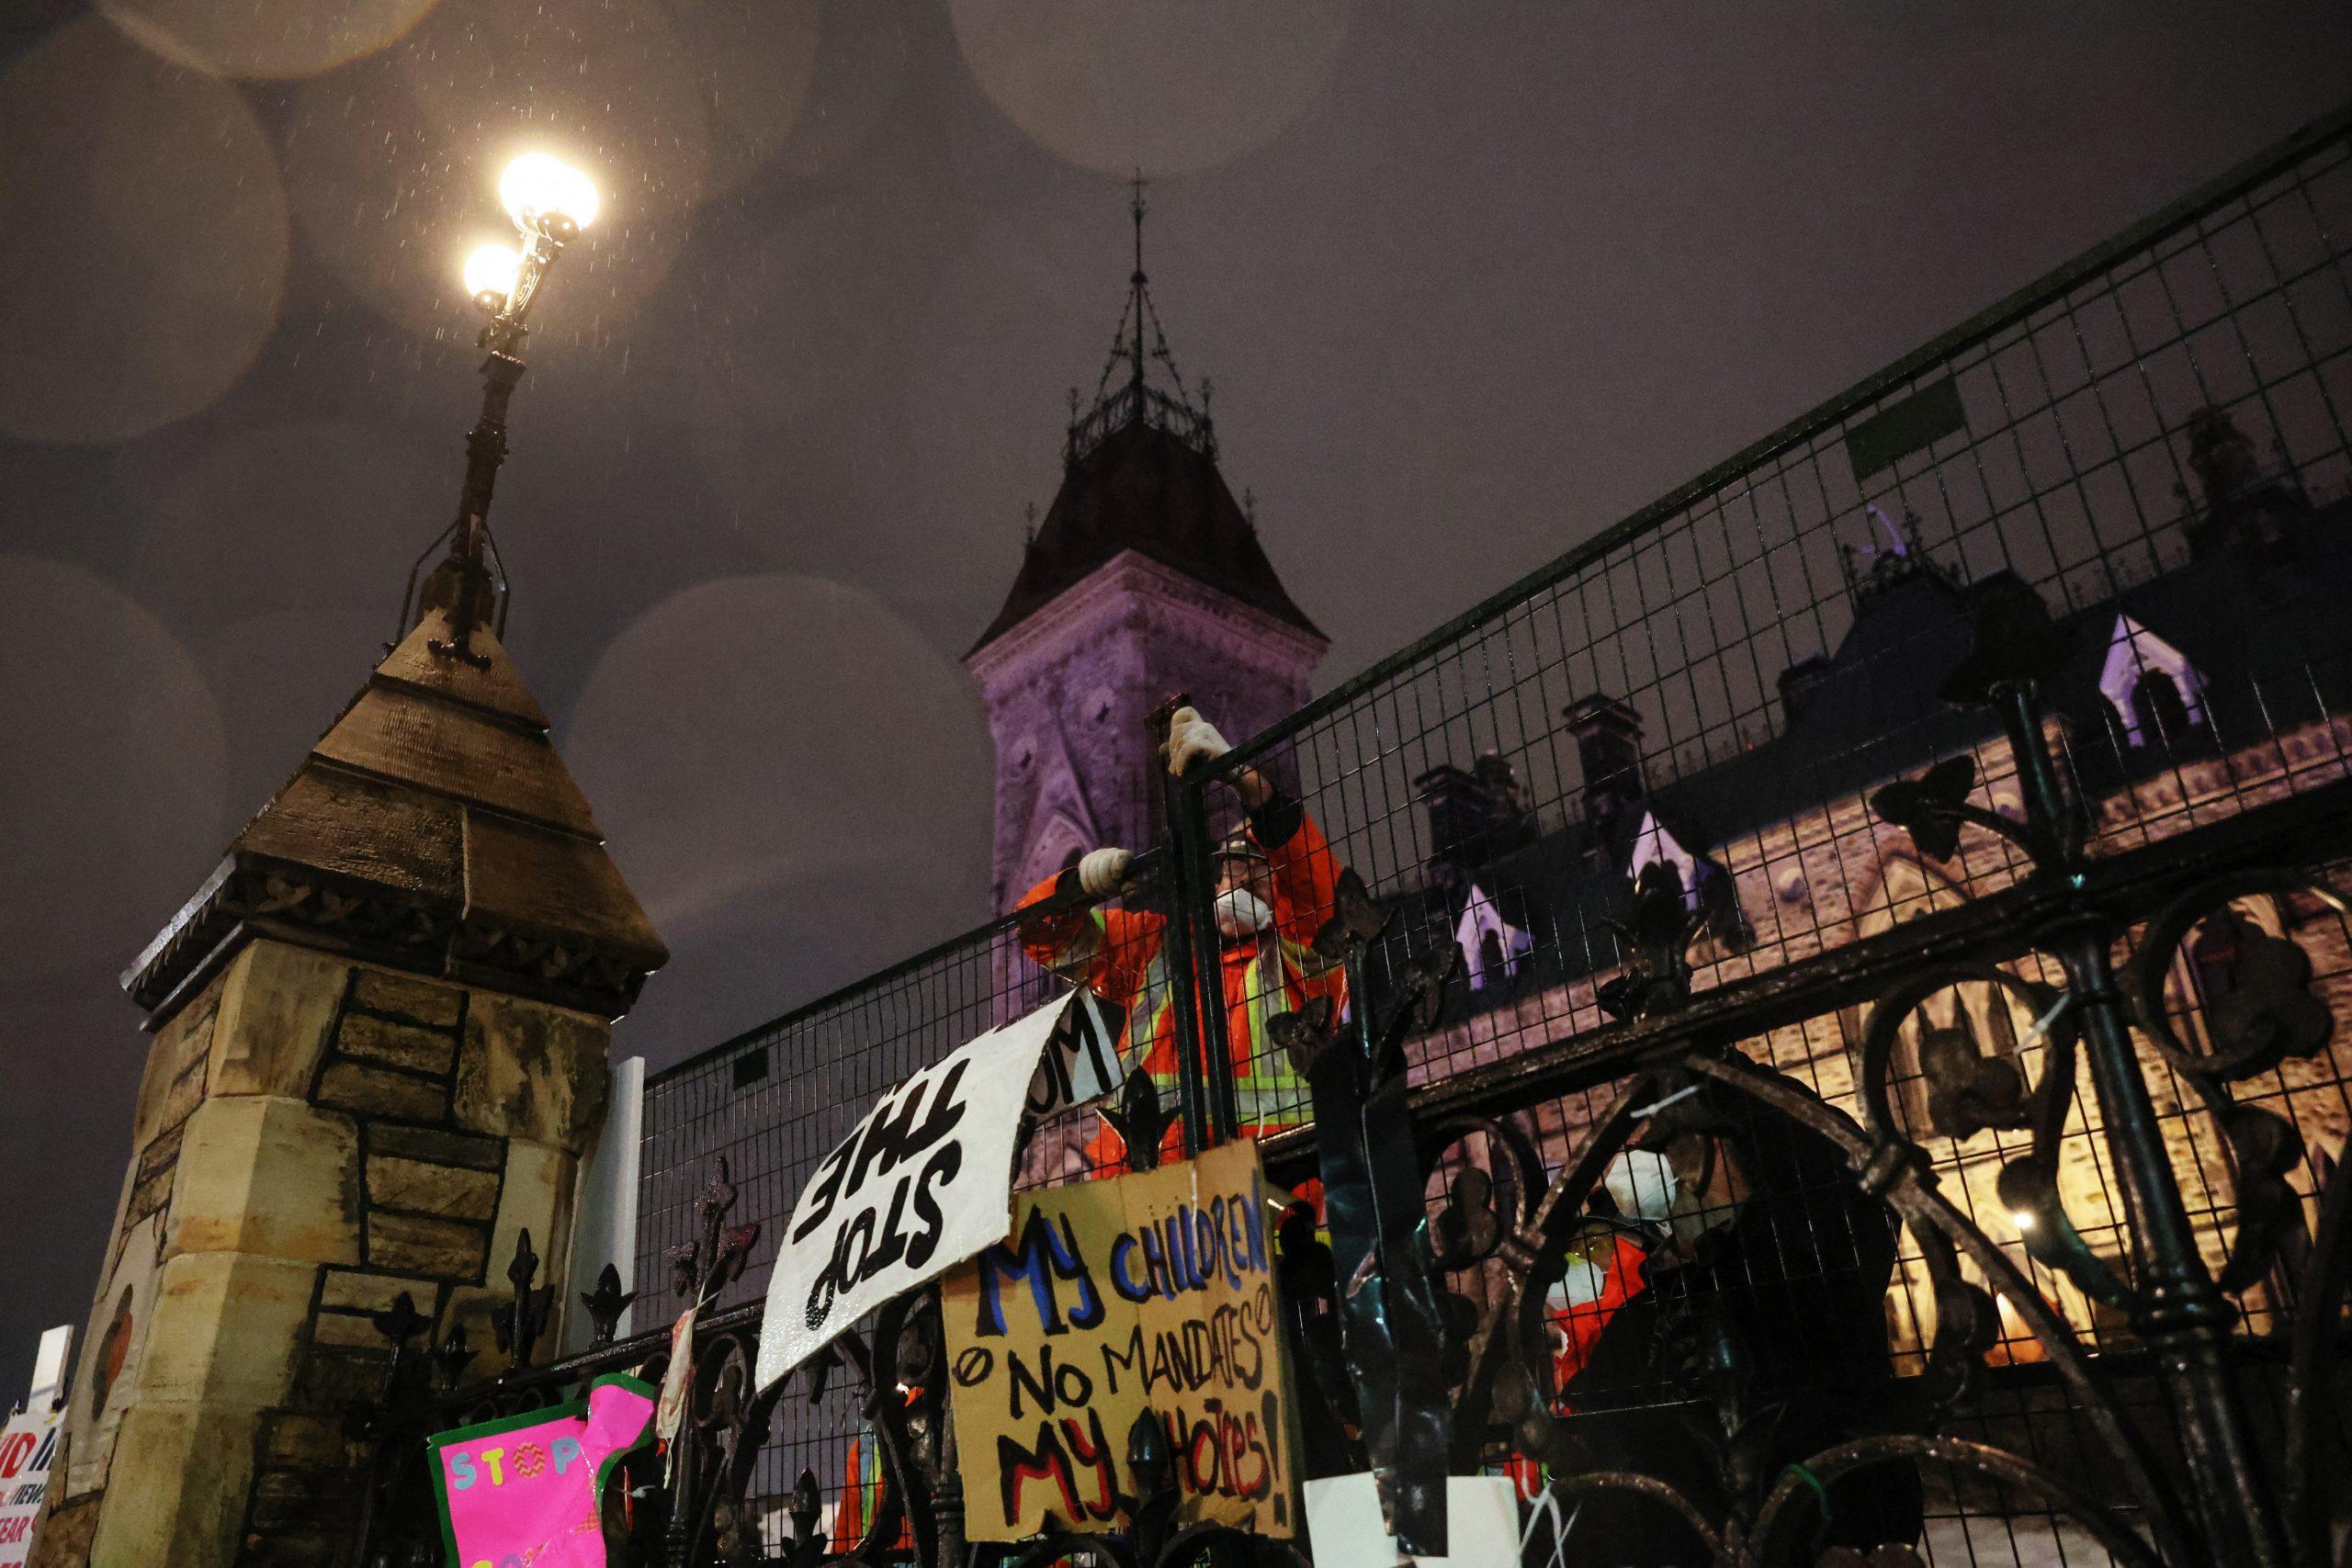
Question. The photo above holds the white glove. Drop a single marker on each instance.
(1643, 1185)
(1102, 873)
(1191, 738)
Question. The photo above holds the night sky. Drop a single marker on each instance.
(1472, 280)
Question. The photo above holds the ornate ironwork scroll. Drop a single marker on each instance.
(1392, 1328)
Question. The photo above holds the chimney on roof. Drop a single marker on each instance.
(2247, 505)
(1473, 815)
(1609, 749)
(1797, 683)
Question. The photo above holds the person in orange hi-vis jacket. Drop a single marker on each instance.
(1604, 1272)
(1275, 878)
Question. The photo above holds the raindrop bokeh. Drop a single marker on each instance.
(747, 735)
(266, 38)
(1168, 88)
(866, 54)
(288, 608)
(323, 507)
(143, 236)
(114, 766)
(754, 61)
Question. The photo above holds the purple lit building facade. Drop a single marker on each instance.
(1147, 579)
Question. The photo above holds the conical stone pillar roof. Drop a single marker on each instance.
(432, 828)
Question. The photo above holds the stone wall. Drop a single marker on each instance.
(313, 1138)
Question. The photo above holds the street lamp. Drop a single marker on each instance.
(490, 273)
(550, 202)
(537, 187)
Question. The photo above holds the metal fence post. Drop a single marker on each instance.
(947, 1507)
(1194, 893)
(2180, 1309)
(1186, 889)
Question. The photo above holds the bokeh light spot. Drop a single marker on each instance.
(1169, 88)
(755, 60)
(750, 737)
(111, 780)
(142, 233)
(273, 38)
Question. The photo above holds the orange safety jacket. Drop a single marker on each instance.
(1576, 1328)
(1119, 954)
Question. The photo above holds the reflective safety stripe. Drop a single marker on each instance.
(1072, 958)
(1256, 1102)
(1267, 1092)
(1273, 1103)
(1155, 1006)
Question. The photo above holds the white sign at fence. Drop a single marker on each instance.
(49, 1367)
(1481, 1523)
(923, 1182)
(1080, 1062)
(26, 1445)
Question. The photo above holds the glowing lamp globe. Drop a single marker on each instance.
(539, 187)
(490, 273)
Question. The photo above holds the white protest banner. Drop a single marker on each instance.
(1481, 1523)
(924, 1182)
(25, 1447)
(49, 1366)
(1081, 1062)
(669, 1410)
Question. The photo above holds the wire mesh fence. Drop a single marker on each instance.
(773, 1102)
(2153, 444)
(2151, 447)
(2141, 467)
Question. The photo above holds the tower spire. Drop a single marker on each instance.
(1137, 284)
(1122, 400)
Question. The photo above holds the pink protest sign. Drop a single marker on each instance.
(524, 1491)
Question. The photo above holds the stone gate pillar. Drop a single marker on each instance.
(379, 1057)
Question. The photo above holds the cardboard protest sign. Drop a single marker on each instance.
(528, 1489)
(27, 1444)
(920, 1185)
(1152, 1292)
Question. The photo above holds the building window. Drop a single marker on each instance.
(1654, 846)
(2162, 712)
(2155, 691)
(1493, 947)
(2213, 955)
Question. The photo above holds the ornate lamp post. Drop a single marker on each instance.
(549, 202)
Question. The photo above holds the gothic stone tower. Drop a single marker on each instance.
(1147, 579)
(379, 1035)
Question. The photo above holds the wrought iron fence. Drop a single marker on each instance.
(1829, 791)
(2153, 441)
(773, 1102)
(1827, 1041)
